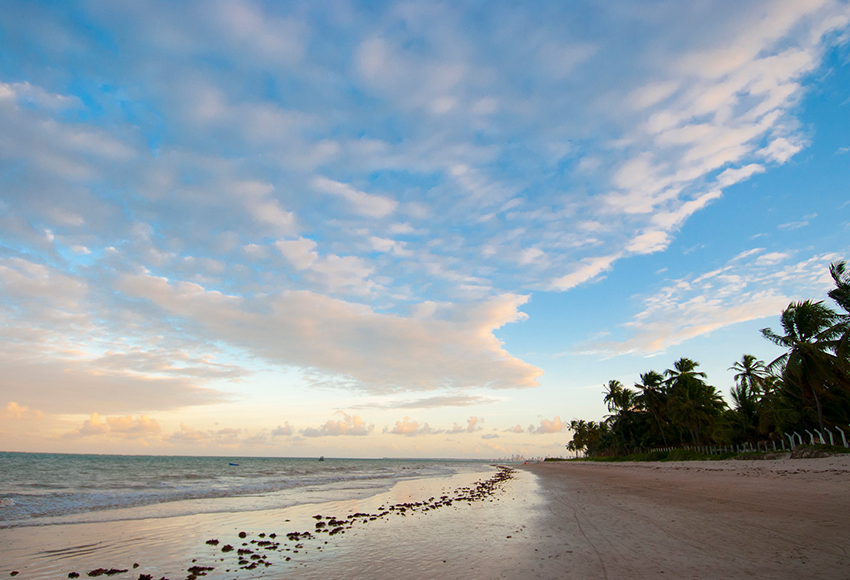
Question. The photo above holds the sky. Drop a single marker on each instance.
(400, 229)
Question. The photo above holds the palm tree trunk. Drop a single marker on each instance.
(661, 429)
(820, 410)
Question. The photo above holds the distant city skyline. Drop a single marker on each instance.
(400, 229)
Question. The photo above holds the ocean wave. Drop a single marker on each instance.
(109, 483)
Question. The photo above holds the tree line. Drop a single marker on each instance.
(807, 387)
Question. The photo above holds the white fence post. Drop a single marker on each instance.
(843, 437)
(811, 437)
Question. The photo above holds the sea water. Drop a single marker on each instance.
(46, 488)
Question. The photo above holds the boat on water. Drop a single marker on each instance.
(321, 458)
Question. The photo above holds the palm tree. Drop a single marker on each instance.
(841, 292)
(653, 398)
(751, 374)
(810, 331)
(615, 396)
(751, 386)
(621, 404)
(691, 402)
(841, 295)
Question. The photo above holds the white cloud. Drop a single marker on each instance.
(780, 150)
(365, 204)
(300, 253)
(263, 207)
(548, 426)
(386, 245)
(748, 287)
(227, 438)
(747, 254)
(589, 269)
(793, 225)
(126, 427)
(285, 430)
(649, 242)
(378, 352)
(771, 258)
(14, 411)
(733, 176)
(472, 425)
(348, 425)
(410, 428)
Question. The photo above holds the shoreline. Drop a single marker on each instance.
(293, 540)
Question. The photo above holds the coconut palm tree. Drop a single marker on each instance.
(692, 403)
(810, 331)
(653, 399)
(841, 295)
(841, 292)
(751, 374)
(621, 404)
(751, 386)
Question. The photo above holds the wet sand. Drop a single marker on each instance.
(467, 537)
(732, 519)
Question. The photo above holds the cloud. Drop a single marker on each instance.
(517, 429)
(472, 425)
(126, 427)
(365, 204)
(14, 411)
(780, 150)
(748, 287)
(733, 176)
(490, 436)
(228, 437)
(589, 269)
(439, 401)
(348, 425)
(410, 428)
(770, 259)
(547, 426)
(285, 430)
(351, 342)
(793, 225)
(747, 254)
(57, 343)
(300, 253)
(649, 242)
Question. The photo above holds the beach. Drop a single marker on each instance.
(702, 519)
(713, 519)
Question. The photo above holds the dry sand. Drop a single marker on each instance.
(730, 519)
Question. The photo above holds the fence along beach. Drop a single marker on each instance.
(700, 519)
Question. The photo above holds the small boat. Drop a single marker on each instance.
(322, 458)
(234, 464)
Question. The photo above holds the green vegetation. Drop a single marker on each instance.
(806, 388)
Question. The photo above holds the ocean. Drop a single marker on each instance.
(45, 488)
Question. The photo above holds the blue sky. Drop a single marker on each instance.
(401, 228)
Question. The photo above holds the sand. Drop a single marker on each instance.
(734, 519)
